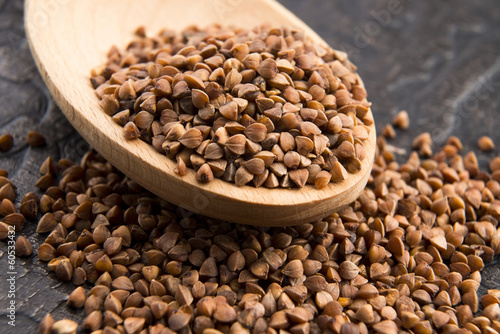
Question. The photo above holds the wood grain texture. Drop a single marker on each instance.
(68, 45)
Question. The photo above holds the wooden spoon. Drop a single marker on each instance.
(68, 38)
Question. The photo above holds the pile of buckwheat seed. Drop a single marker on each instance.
(404, 257)
(266, 107)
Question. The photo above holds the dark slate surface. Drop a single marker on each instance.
(437, 60)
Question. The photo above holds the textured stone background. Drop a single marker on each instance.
(439, 60)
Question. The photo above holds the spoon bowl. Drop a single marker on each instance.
(69, 38)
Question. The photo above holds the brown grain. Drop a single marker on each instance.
(217, 100)
(405, 256)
